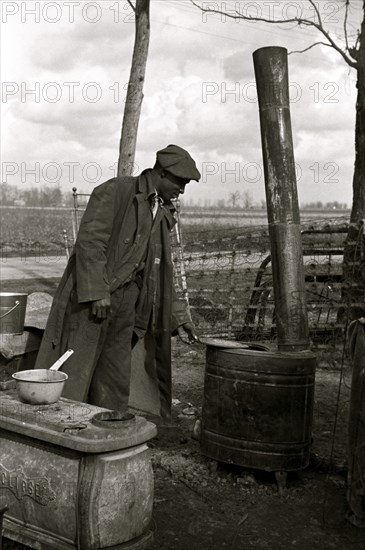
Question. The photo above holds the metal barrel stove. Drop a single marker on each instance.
(258, 402)
(258, 407)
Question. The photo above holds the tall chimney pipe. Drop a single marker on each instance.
(271, 72)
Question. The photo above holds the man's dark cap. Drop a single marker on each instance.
(178, 162)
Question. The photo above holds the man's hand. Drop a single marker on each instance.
(187, 334)
(100, 309)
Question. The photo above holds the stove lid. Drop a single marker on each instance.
(74, 425)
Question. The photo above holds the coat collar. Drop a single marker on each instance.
(145, 184)
(146, 190)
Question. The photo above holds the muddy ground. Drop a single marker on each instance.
(202, 505)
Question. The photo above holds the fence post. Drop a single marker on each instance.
(75, 215)
(180, 258)
(231, 291)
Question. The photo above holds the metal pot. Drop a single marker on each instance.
(42, 386)
(39, 386)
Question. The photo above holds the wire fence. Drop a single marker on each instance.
(226, 280)
(223, 273)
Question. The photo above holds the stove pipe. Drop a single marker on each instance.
(271, 72)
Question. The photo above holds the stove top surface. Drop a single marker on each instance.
(70, 424)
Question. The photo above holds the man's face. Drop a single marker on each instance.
(170, 187)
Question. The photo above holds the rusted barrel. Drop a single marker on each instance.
(257, 409)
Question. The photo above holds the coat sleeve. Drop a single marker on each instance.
(180, 315)
(92, 242)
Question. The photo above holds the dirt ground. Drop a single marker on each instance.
(202, 505)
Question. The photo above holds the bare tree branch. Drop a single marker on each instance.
(131, 5)
(298, 20)
(311, 46)
(335, 46)
(315, 7)
(345, 24)
(250, 18)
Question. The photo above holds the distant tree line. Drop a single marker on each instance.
(318, 205)
(11, 195)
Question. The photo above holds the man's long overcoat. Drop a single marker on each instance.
(103, 259)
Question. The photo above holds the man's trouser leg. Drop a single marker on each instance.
(110, 383)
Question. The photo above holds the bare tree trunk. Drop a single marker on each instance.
(132, 110)
(354, 253)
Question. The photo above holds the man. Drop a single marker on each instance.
(118, 288)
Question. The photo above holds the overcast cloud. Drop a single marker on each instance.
(199, 93)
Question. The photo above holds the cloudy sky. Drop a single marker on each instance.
(65, 68)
